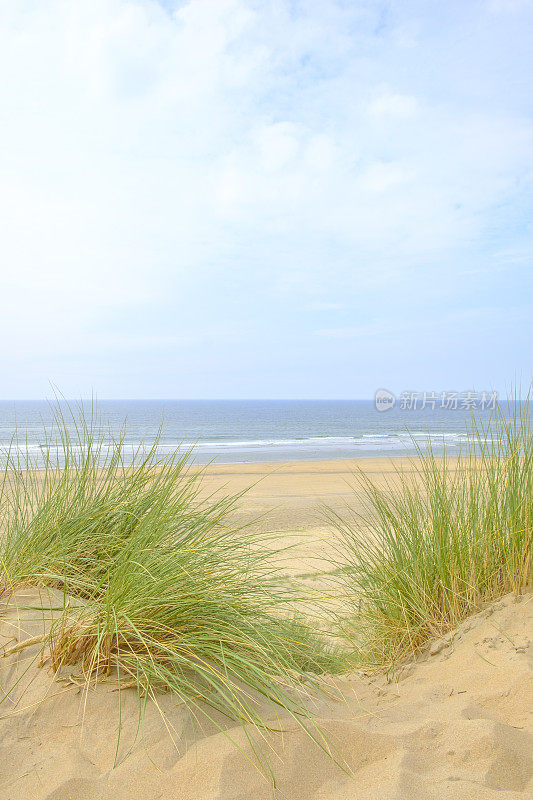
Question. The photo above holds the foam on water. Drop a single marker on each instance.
(251, 430)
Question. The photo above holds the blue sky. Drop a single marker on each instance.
(228, 198)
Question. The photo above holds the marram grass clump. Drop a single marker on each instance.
(169, 595)
(440, 541)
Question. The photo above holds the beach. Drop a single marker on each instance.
(291, 500)
(457, 723)
(292, 493)
(266, 451)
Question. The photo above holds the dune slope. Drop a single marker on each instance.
(456, 724)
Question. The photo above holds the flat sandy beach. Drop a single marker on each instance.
(457, 724)
(292, 499)
(292, 494)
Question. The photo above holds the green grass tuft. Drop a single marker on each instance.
(170, 595)
(428, 551)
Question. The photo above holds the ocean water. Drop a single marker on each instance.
(232, 431)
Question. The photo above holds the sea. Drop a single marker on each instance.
(239, 431)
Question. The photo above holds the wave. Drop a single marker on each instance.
(368, 441)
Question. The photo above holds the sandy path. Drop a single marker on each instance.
(290, 499)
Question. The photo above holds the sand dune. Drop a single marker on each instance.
(458, 724)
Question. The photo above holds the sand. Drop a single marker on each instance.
(289, 499)
(456, 724)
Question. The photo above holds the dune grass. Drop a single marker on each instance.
(167, 593)
(163, 593)
(427, 552)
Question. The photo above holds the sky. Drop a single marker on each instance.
(265, 198)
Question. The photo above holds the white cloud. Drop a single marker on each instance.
(381, 177)
(393, 105)
(273, 150)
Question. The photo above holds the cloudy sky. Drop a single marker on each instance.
(265, 198)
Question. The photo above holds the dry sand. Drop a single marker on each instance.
(457, 724)
(290, 498)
